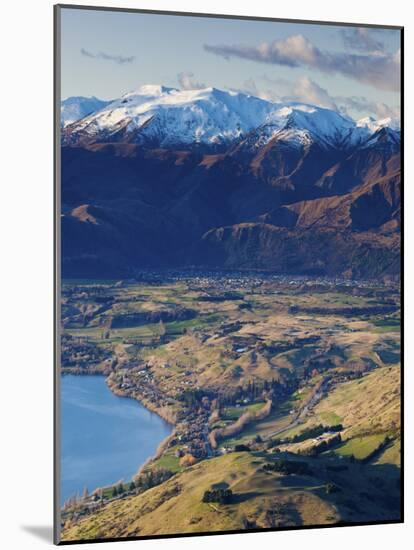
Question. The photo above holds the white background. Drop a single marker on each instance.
(26, 312)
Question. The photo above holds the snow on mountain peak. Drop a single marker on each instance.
(373, 125)
(171, 117)
(74, 108)
(153, 90)
(302, 124)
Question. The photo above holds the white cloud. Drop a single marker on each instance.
(378, 68)
(250, 87)
(365, 106)
(120, 59)
(308, 91)
(187, 82)
(362, 39)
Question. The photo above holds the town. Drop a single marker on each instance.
(237, 364)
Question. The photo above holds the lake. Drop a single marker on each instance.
(104, 438)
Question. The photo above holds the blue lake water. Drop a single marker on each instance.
(104, 438)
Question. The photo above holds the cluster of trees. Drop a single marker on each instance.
(324, 445)
(71, 502)
(118, 490)
(316, 365)
(240, 447)
(252, 391)
(236, 427)
(151, 478)
(315, 431)
(288, 467)
(222, 496)
(78, 354)
(195, 398)
(144, 481)
(308, 433)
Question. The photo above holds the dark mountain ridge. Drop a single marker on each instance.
(287, 202)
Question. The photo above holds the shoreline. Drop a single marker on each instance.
(149, 407)
(144, 402)
(154, 410)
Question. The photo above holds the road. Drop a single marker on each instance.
(303, 411)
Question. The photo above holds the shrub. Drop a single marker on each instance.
(187, 460)
(151, 478)
(324, 445)
(315, 431)
(288, 467)
(222, 496)
(240, 447)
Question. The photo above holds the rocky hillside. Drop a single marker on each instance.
(167, 178)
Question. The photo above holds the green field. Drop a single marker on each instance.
(168, 461)
(360, 447)
(233, 413)
(286, 339)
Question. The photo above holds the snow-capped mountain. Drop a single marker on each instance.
(301, 124)
(373, 125)
(159, 116)
(295, 189)
(168, 116)
(384, 137)
(77, 107)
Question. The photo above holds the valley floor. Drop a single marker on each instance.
(284, 392)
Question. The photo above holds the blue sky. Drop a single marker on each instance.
(352, 69)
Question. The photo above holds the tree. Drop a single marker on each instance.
(240, 447)
(121, 489)
(288, 467)
(114, 492)
(85, 493)
(132, 486)
(187, 460)
(222, 496)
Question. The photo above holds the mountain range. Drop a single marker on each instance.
(77, 107)
(210, 178)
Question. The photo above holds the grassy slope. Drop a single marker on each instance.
(270, 499)
(176, 505)
(361, 447)
(212, 361)
(262, 499)
(368, 408)
(369, 405)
